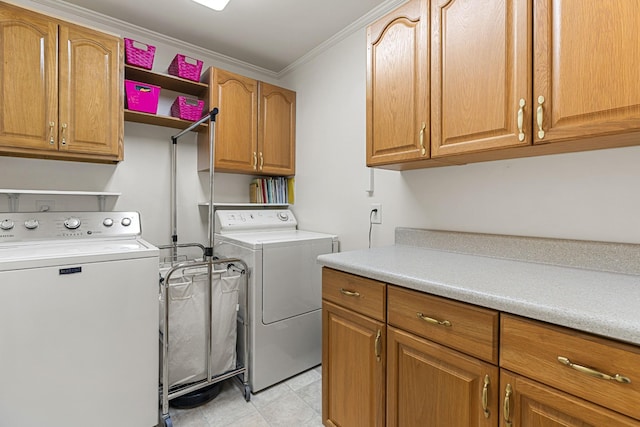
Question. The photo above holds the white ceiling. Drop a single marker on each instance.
(270, 34)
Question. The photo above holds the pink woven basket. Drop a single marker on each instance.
(187, 108)
(142, 96)
(186, 67)
(139, 54)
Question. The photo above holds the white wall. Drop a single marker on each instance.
(590, 195)
(143, 177)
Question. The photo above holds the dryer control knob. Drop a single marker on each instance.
(31, 224)
(283, 216)
(72, 223)
(126, 222)
(6, 224)
(108, 222)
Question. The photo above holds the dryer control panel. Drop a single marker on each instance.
(233, 221)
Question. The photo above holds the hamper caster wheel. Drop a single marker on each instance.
(167, 421)
(247, 393)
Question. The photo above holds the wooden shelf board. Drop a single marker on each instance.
(166, 121)
(165, 81)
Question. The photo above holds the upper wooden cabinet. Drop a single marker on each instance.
(61, 93)
(586, 61)
(398, 126)
(276, 130)
(255, 127)
(480, 72)
(506, 79)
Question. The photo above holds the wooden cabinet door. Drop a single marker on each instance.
(29, 79)
(276, 130)
(480, 72)
(527, 403)
(353, 368)
(397, 86)
(236, 129)
(586, 60)
(91, 105)
(429, 385)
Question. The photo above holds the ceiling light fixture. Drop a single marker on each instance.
(213, 4)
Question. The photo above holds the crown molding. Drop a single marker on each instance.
(117, 25)
(362, 22)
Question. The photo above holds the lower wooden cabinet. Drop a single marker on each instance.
(527, 403)
(398, 357)
(353, 368)
(431, 385)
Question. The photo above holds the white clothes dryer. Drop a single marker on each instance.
(285, 289)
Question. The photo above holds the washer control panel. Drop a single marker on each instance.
(33, 226)
(232, 221)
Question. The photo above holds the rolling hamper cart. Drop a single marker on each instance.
(193, 291)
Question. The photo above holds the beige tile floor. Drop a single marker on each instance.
(296, 402)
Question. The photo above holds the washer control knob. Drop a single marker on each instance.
(31, 224)
(6, 224)
(283, 216)
(108, 222)
(72, 223)
(126, 222)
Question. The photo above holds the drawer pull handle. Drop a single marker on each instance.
(485, 396)
(378, 348)
(589, 371)
(433, 321)
(507, 406)
(349, 293)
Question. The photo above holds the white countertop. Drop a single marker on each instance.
(600, 302)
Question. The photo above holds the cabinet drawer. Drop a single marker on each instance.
(470, 329)
(356, 293)
(532, 349)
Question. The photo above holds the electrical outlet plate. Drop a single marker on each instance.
(376, 217)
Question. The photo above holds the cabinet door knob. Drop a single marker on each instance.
(540, 113)
(521, 120)
(63, 139)
(485, 396)
(378, 345)
(51, 127)
(261, 161)
(423, 150)
(507, 406)
(255, 161)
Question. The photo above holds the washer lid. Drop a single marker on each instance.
(24, 255)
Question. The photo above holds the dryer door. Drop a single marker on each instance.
(292, 278)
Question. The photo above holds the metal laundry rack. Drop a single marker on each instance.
(166, 392)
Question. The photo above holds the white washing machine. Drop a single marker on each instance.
(78, 321)
(285, 289)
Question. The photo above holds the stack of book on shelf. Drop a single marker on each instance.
(277, 190)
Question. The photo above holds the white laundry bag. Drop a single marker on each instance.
(188, 290)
